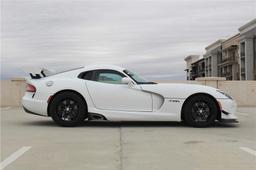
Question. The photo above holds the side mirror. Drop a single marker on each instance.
(127, 80)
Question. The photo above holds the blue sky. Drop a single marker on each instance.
(149, 37)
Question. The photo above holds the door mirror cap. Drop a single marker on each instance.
(127, 80)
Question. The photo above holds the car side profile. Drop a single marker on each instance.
(107, 92)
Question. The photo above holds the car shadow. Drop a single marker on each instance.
(50, 123)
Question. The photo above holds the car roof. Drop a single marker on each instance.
(96, 67)
(78, 70)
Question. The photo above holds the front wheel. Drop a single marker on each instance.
(200, 111)
(68, 109)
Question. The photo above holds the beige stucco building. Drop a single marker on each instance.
(213, 52)
(189, 60)
(228, 62)
(197, 69)
(233, 58)
(248, 51)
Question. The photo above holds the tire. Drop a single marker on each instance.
(200, 111)
(68, 109)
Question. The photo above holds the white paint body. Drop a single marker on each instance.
(122, 102)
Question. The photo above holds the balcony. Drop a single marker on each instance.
(242, 70)
(227, 61)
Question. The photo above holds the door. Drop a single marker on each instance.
(108, 93)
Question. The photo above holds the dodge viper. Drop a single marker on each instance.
(106, 92)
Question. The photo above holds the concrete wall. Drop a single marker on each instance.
(12, 92)
(243, 91)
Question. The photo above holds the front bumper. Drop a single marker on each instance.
(228, 110)
(229, 121)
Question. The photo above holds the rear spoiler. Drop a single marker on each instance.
(47, 72)
(43, 73)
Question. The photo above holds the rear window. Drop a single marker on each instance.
(86, 75)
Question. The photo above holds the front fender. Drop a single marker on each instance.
(183, 91)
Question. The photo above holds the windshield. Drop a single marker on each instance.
(138, 79)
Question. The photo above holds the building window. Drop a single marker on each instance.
(242, 49)
(254, 57)
(242, 59)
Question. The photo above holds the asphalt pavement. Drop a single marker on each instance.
(30, 142)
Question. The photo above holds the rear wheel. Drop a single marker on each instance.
(200, 111)
(68, 109)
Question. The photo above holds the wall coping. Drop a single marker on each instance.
(18, 79)
(211, 79)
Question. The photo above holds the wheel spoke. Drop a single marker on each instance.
(200, 111)
(67, 110)
(64, 102)
(71, 102)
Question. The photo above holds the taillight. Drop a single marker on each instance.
(30, 88)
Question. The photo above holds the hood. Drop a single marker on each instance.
(179, 90)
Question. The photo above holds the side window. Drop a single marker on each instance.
(108, 76)
(86, 75)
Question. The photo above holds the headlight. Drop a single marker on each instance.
(225, 94)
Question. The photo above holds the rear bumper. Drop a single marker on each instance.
(32, 105)
(30, 112)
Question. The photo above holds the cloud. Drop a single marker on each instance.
(151, 37)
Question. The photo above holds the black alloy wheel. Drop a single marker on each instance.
(68, 109)
(200, 111)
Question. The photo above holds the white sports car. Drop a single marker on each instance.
(116, 94)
